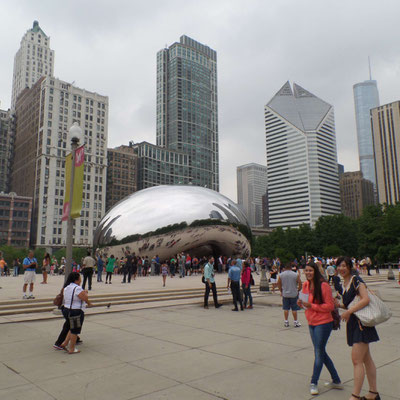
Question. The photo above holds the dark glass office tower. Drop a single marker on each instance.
(187, 107)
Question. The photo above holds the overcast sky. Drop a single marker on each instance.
(110, 47)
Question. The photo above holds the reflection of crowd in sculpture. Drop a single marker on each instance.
(186, 239)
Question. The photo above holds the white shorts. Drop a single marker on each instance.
(29, 277)
(273, 280)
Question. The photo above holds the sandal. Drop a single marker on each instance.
(74, 352)
(357, 397)
(377, 397)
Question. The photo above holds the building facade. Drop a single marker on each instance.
(366, 97)
(251, 186)
(7, 130)
(33, 60)
(356, 193)
(161, 166)
(44, 115)
(15, 220)
(385, 122)
(187, 107)
(302, 167)
(121, 174)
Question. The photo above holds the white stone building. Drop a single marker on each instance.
(61, 104)
(33, 60)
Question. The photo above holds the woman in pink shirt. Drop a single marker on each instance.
(319, 309)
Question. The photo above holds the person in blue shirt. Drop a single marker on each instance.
(210, 283)
(30, 264)
(100, 266)
(234, 282)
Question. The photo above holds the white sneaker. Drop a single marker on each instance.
(297, 324)
(286, 324)
(24, 296)
(313, 389)
(332, 385)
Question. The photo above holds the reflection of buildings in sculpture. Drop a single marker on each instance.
(165, 220)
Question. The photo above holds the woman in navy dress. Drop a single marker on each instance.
(358, 336)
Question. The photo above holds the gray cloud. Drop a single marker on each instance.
(110, 47)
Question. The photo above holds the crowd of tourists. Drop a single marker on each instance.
(329, 284)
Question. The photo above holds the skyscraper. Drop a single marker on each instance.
(33, 60)
(44, 114)
(302, 166)
(7, 132)
(366, 97)
(121, 174)
(385, 121)
(187, 107)
(251, 187)
(356, 193)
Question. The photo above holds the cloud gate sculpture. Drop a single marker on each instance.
(166, 220)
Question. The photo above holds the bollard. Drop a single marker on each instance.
(390, 274)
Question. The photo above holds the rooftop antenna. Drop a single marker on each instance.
(369, 66)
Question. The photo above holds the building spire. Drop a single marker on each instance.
(369, 67)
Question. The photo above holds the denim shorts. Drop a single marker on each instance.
(290, 303)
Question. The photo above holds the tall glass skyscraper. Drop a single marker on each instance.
(187, 107)
(366, 97)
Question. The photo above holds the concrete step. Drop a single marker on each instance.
(25, 306)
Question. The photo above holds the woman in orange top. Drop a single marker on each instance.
(319, 309)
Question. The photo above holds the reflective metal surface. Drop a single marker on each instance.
(165, 220)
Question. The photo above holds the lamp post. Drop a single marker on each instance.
(75, 134)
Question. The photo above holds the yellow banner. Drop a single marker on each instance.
(78, 184)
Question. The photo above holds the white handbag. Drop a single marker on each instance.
(374, 313)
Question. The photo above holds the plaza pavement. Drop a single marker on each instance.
(186, 352)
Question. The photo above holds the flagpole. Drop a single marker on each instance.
(75, 134)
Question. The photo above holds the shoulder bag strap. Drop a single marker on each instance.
(72, 298)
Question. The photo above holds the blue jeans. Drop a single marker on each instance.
(319, 336)
(247, 295)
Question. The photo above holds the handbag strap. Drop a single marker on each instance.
(72, 297)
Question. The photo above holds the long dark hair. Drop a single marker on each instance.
(347, 261)
(72, 277)
(318, 279)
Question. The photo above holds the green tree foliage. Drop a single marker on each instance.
(375, 234)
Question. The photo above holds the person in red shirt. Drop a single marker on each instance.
(246, 285)
(319, 307)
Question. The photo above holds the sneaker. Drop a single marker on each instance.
(24, 296)
(31, 296)
(55, 346)
(313, 389)
(333, 385)
(297, 324)
(286, 324)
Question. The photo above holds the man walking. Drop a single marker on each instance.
(210, 283)
(29, 264)
(234, 283)
(87, 270)
(289, 284)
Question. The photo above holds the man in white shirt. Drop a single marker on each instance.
(87, 270)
